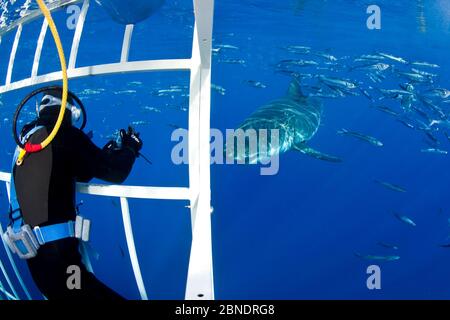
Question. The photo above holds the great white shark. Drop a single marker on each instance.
(297, 119)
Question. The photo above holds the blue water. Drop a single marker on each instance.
(293, 235)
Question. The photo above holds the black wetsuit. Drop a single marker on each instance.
(45, 186)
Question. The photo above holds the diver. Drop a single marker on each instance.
(45, 186)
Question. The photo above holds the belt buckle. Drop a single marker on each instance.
(24, 242)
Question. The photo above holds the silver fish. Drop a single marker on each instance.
(406, 124)
(233, 61)
(298, 63)
(405, 219)
(221, 90)
(125, 92)
(140, 123)
(387, 245)
(395, 93)
(326, 56)
(415, 77)
(372, 67)
(256, 84)
(393, 58)
(227, 46)
(438, 92)
(423, 73)
(336, 82)
(391, 186)
(360, 136)
(372, 57)
(387, 110)
(425, 64)
(434, 150)
(298, 49)
(377, 258)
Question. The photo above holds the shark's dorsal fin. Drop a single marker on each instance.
(295, 91)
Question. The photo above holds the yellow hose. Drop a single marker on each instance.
(62, 60)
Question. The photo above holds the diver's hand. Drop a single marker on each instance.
(111, 145)
(131, 140)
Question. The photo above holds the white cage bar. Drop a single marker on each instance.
(200, 284)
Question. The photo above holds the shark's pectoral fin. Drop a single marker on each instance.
(316, 154)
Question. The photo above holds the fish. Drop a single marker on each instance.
(387, 110)
(430, 105)
(125, 92)
(438, 92)
(376, 77)
(415, 77)
(151, 109)
(377, 258)
(393, 58)
(394, 93)
(91, 91)
(387, 245)
(219, 89)
(233, 61)
(90, 134)
(135, 83)
(168, 92)
(434, 150)
(139, 123)
(372, 57)
(423, 73)
(297, 118)
(391, 186)
(326, 56)
(366, 94)
(445, 245)
(227, 46)
(372, 67)
(298, 49)
(406, 124)
(294, 74)
(425, 64)
(405, 219)
(431, 137)
(256, 84)
(336, 82)
(297, 63)
(360, 136)
(421, 113)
